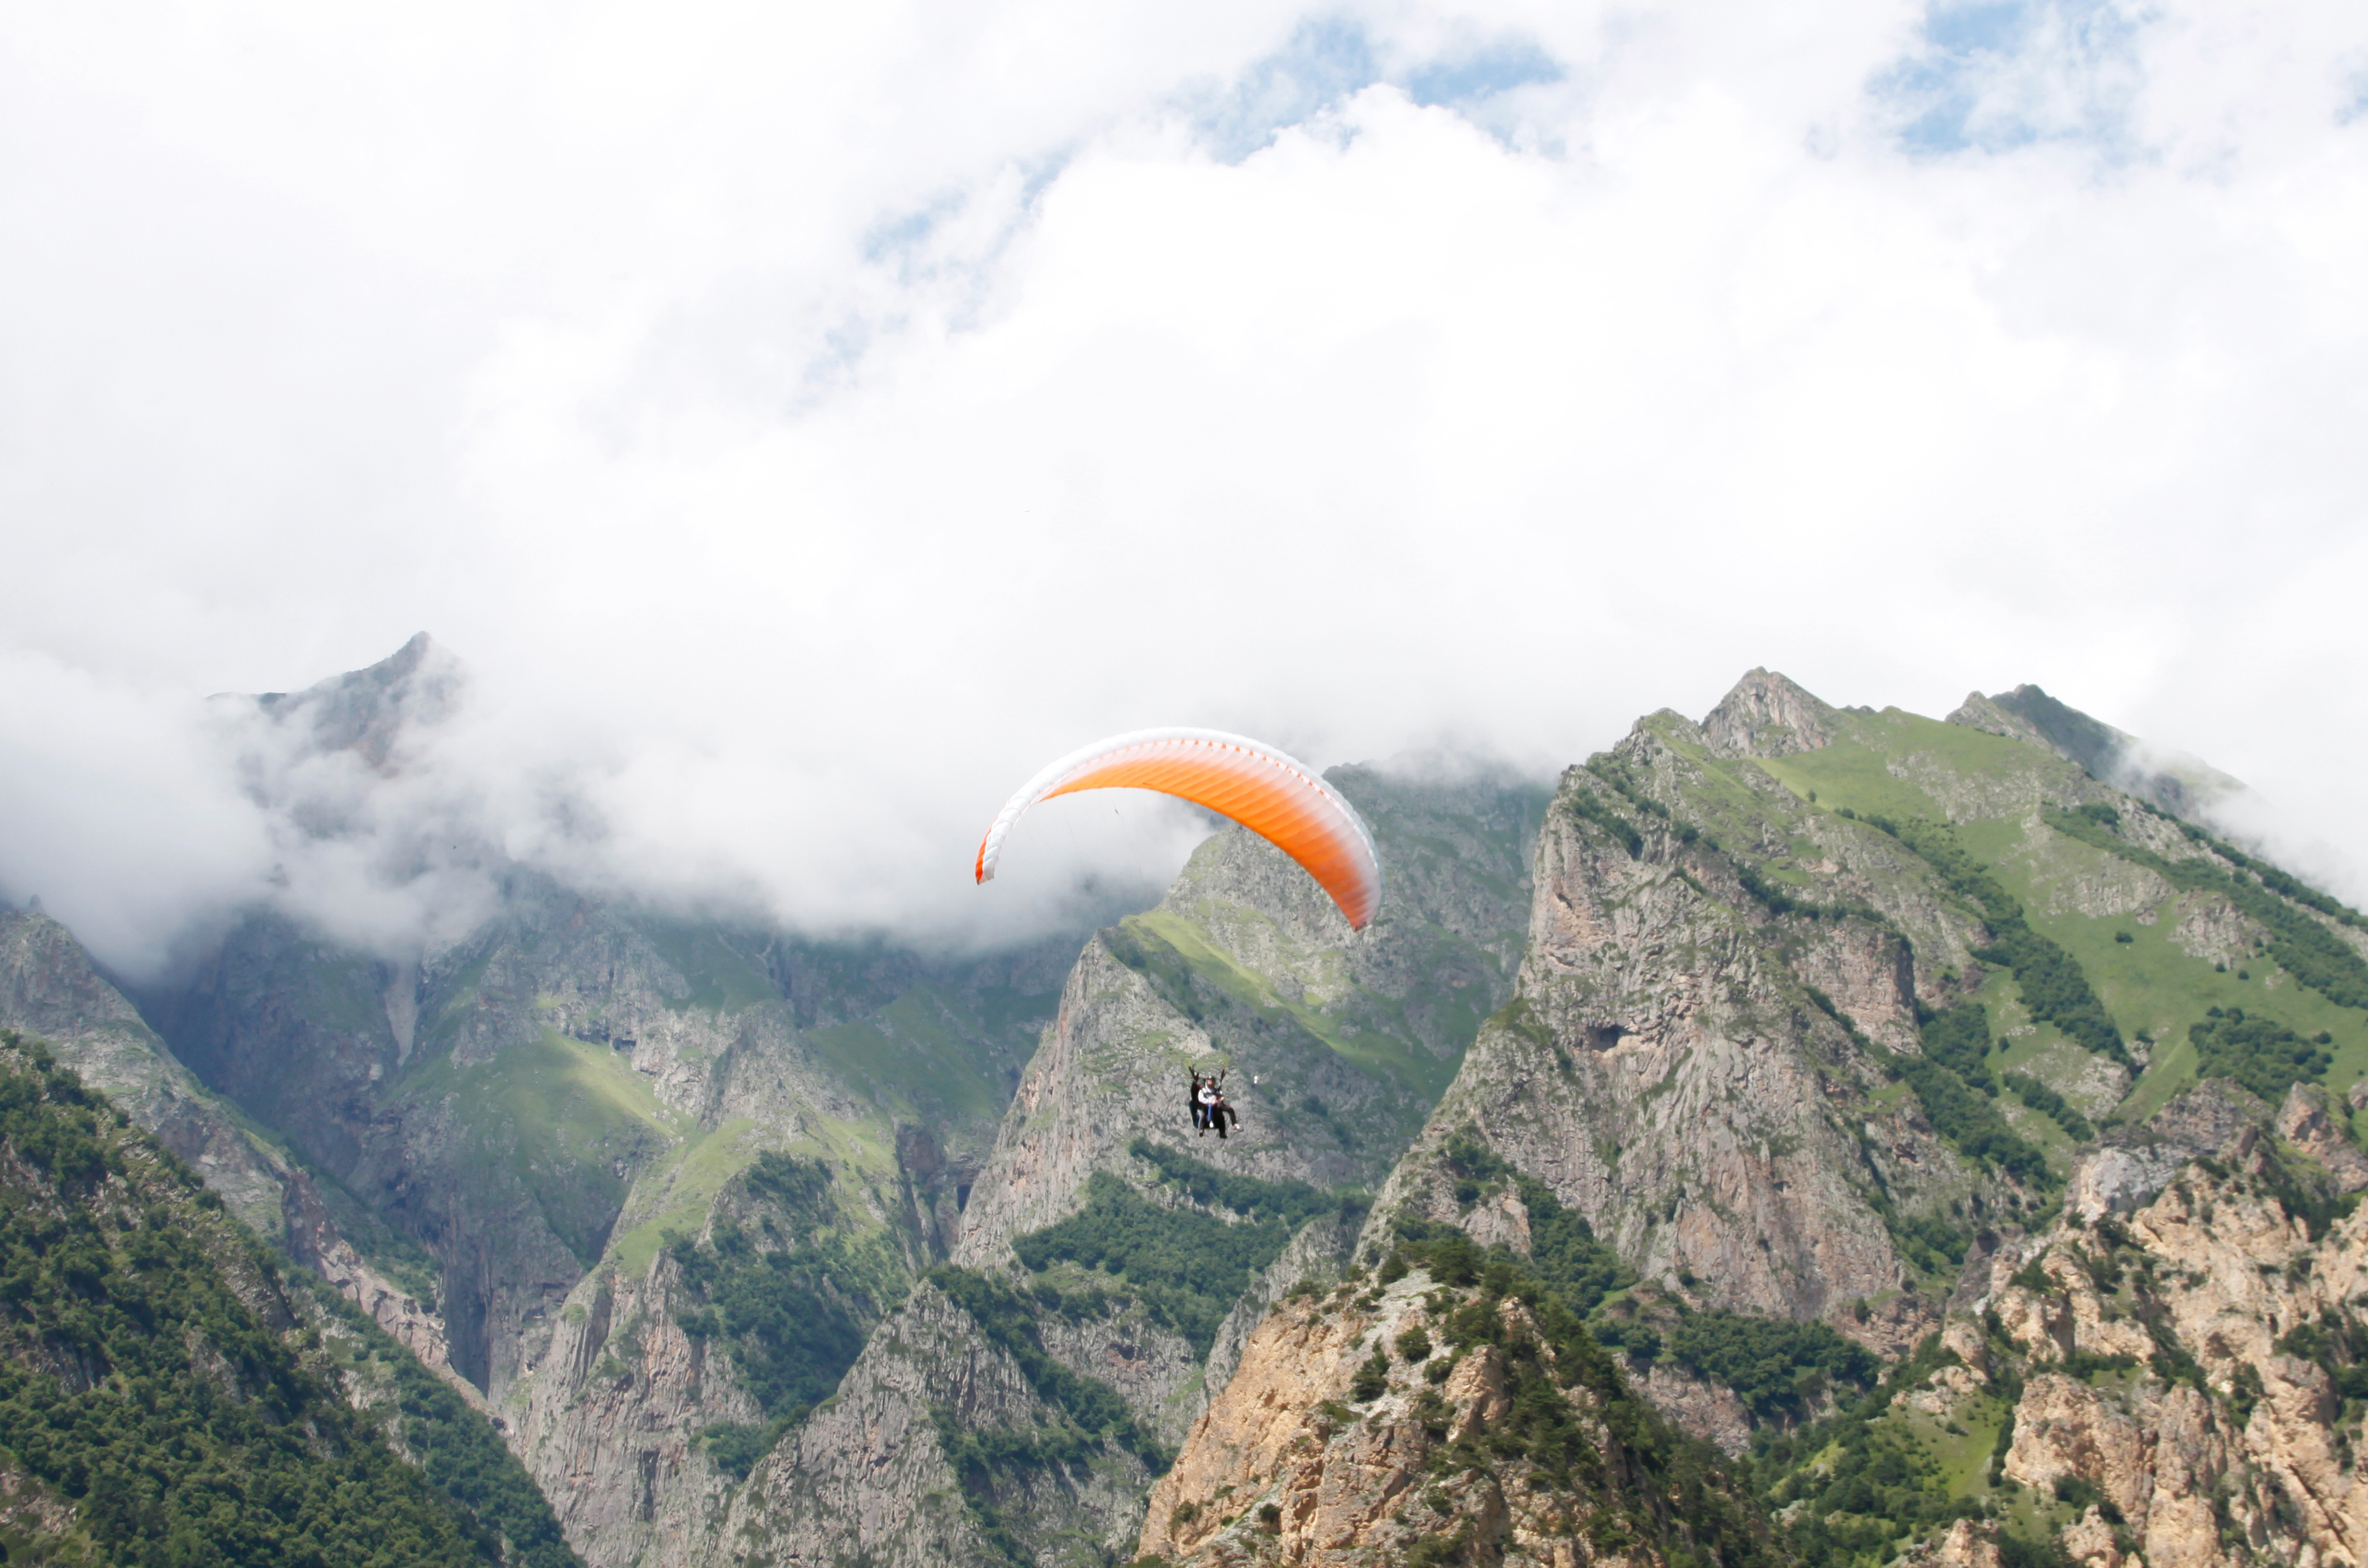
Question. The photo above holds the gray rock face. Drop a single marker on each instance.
(1664, 1068)
(2212, 1118)
(2118, 1180)
(1704, 1409)
(1767, 715)
(608, 1421)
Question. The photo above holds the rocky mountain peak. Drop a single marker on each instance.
(1767, 715)
(366, 711)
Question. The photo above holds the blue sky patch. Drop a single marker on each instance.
(1324, 63)
(1327, 61)
(1498, 67)
(1992, 75)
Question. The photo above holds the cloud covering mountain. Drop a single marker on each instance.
(802, 426)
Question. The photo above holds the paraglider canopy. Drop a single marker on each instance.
(1256, 785)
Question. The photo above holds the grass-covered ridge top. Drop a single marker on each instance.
(200, 1424)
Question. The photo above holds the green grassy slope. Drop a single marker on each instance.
(2008, 803)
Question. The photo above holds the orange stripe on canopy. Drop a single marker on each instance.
(1255, 785)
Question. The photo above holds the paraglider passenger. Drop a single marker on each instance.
(1205, 1108)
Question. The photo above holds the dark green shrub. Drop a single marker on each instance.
(1775, 1365)
(2259, 1054)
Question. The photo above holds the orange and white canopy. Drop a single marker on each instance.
(1256, 785)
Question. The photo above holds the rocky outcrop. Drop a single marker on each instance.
(1700, 1407)
(1341, 1485)
(869, 1477)
(2319, 1125)
(1767, 715)
(2131, 1164)
(2182, 1359)
(1419, 1415)
(1965, 1545)
(1313, 1260)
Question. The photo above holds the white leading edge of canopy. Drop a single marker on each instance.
(1050, 778)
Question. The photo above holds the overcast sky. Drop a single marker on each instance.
(804, 422)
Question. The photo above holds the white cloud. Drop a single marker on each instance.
(805, 427)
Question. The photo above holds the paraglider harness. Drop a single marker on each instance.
(1210, 1107)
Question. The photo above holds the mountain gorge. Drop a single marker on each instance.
(1808, 1134)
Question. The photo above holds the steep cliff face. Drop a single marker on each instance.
(1699, 1068)
(608, 1421)
(666, 1374)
